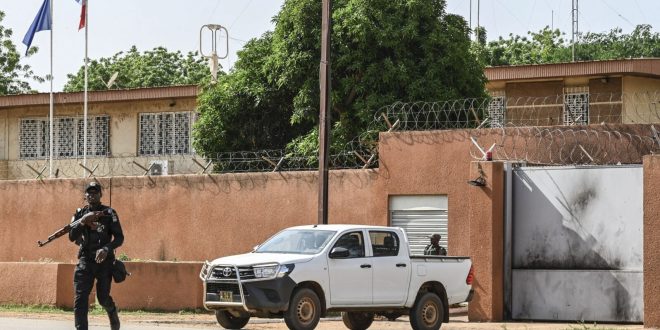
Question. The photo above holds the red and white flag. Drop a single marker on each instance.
(82, 13)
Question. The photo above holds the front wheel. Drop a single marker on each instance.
(427, 313)
(357, 320)
(228, 320)
(304, 310)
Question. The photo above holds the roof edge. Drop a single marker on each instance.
(114, 95)
(641, 66)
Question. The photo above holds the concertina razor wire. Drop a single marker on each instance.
(535, 130)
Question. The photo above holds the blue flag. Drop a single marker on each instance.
(41, 23)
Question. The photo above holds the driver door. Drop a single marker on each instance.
(350, 277)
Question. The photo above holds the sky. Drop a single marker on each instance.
(116, 25)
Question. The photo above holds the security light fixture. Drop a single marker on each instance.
(478, 182)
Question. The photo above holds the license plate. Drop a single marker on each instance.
(226, 296)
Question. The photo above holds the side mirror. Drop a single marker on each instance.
(339, 252)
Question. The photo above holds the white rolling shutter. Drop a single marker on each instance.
(420, 216)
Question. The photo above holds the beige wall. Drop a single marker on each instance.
(103, 167)
(614, 99)
(123, 120)
(642, 101)
(123, 131)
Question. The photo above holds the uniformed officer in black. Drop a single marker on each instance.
(98, 234)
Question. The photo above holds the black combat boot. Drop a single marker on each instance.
(114, 319)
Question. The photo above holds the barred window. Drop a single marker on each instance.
(34, 139)
(497, 111)
(67, 135)
(576, 106)
(164, 133)
(97, 136)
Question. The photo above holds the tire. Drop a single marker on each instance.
(427, 313)
(357, 320)
(304, 310)
(227, 320)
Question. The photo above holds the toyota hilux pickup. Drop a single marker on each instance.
(301, 273)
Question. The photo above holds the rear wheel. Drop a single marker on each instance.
(304, 310)
(427, 313)
(357, 320)
(229, 320)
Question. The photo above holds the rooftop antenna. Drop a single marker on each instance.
(213, 56)
(574, 15)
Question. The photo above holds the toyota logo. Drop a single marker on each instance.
(226, 272)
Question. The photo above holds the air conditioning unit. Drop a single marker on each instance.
(158, 167)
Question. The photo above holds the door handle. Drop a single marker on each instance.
(365, 266)
(401, 265)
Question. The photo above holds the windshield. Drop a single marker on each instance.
(299, 241)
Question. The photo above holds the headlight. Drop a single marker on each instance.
(269, 271)
(265, 271)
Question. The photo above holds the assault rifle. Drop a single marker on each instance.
(65, 230)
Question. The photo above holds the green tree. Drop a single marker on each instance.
(244, 111)
(383, 51)
(641, 42)
(153, 68)
(13, 74)
(550, 46)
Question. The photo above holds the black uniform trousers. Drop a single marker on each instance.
(86, 272)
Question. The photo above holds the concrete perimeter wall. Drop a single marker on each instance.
(52, 284)
(195, 218)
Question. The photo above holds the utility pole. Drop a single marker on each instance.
(574, 15)
(324, 113)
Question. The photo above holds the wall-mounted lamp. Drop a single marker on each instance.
(604, 80)
(478, 182)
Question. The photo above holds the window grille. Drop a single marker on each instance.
(164, 133)
(576, 106)
(497, 111)
(97, 136)
(67, 136)
(34, 139)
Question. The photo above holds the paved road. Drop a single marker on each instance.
(458, 323)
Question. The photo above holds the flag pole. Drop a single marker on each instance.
(85, 93)
(51, 111)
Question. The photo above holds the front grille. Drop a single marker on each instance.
(229, 273)
(217, 287)
(213, 291)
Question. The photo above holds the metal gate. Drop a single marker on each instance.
(420, 216)
(575, 243)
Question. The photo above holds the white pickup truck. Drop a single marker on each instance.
(301, 273)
